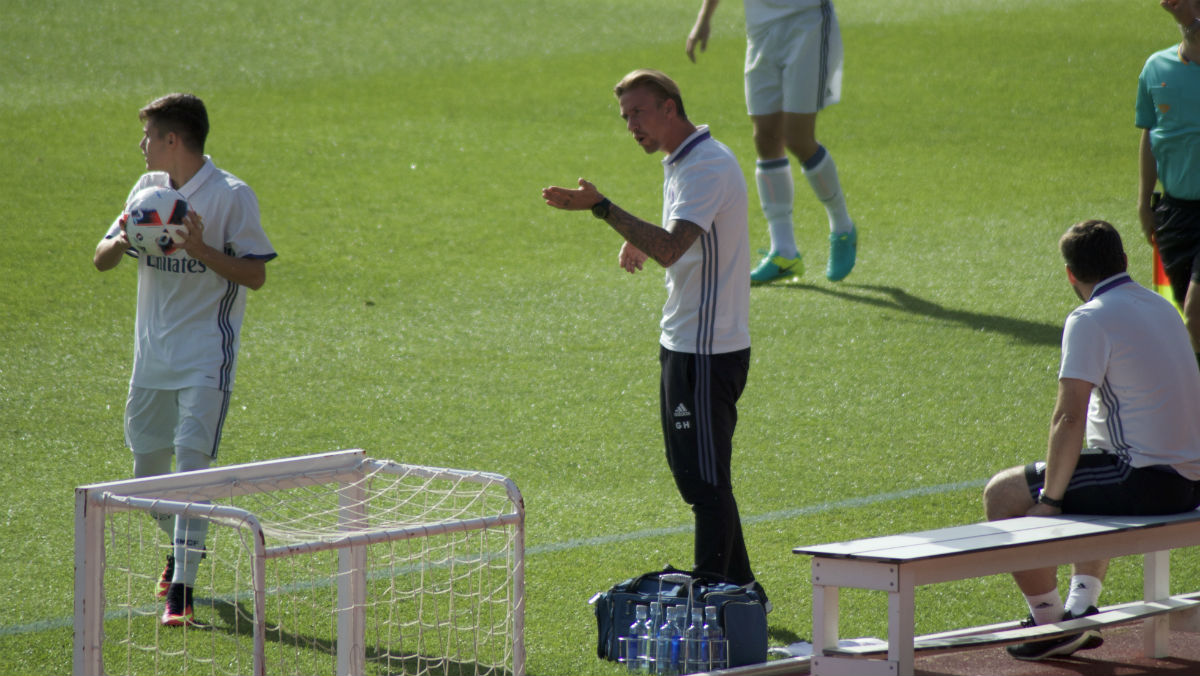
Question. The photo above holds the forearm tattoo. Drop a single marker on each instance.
(660, 244)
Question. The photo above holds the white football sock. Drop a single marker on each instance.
(189, 549)
(775, 194)
(1045, 608)
(155, 463)
(189, 534)
(1085, 592)
(822, 175)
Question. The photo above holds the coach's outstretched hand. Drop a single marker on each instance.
(584, 197)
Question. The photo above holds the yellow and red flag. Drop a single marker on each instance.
(1161, 284)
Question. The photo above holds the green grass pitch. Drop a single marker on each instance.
(426, 305)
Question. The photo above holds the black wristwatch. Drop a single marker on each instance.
(600, 209)
(1046, 500)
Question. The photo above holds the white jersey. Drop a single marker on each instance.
(1131, 344)
(189, 318)
(762, 12)
(708, 288)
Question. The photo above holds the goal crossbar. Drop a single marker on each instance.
(187, 495)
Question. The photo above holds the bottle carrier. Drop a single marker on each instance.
(740, 613)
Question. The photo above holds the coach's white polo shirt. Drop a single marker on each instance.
(1131, 344)
(708, 288)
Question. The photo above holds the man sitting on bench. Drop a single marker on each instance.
(1125, 433)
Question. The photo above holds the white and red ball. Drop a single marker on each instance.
(154, 220)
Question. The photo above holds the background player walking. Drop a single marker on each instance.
(793, 70)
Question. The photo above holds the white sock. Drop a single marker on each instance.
(1085, 592)
(189, 534)
(822, 175)
(189, 549)
(1045, 608)
(775, 194)
(155, 463)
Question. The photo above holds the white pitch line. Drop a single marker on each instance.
(766, 517)
(577, 543)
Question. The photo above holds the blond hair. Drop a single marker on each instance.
(664, 88)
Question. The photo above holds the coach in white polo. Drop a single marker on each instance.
(190, 306)
(1125, 432)
(705, 342)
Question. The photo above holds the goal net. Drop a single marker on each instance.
(325, 564)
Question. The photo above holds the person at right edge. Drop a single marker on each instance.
(1124, 436)
(1168, 113)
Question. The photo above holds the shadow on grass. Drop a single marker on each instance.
(783, 636)
(236, 620)
(893, 298)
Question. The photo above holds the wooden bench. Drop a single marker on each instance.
(897, 564)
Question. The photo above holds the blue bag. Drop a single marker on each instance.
(739, 610)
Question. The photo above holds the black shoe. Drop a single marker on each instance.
(1095, 640)
(178, 612)
(1033, 651)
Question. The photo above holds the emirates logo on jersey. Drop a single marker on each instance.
(182, 266)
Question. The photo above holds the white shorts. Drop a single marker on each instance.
(794, 64)
(188, 418)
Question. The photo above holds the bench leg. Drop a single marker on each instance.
(901, 625)
(825, 618)
(1156, 585)
(825, 635)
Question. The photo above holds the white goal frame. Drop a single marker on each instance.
(186, 495)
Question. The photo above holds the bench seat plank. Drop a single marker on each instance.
(987, 536)
(978, 540)
(853, 547)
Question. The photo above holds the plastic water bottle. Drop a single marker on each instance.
(694, 644)
(678, 642)
(665, 663)
(635, 654)
(715, 637)
(650, 644)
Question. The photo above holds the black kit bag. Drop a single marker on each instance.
(740, 611)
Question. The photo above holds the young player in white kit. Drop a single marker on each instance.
(190, 307)
(793, 70)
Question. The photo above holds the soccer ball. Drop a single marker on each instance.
(154, 220)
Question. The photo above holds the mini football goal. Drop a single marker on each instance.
(325, 564)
